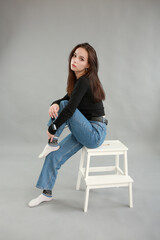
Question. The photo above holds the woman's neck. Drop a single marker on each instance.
(79, 74)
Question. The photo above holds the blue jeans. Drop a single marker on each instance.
(83, 133)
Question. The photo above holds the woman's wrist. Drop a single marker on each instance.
(52, 129)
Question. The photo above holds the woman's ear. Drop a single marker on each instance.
(88, 66)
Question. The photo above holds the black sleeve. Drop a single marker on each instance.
(66, 97)
(79, 91)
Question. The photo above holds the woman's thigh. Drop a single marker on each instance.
(89, 133)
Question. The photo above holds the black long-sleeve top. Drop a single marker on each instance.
(82, 99)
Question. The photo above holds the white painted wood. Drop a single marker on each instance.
(100, 169)
(119, 178)
(86, 199)
(112, 145)
(125, 163)
(117, 163)
(87, 166)
(110, 179)
(80, 170)
(119, 170)
(130, 196)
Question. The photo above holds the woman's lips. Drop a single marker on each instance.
(73, 65)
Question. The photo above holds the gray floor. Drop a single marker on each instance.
(108, 216)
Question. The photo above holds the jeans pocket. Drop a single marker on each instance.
(101, 132)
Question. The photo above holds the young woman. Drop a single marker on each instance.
(82, 110)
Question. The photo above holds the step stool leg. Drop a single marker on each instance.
(130, 196)
(117, 163)
(80, 169)
(78, 181)
(86, 199)
(125, 164)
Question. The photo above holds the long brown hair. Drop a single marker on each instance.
(92, 73)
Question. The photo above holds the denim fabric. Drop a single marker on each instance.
(83, 133)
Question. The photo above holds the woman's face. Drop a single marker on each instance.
(79, 61)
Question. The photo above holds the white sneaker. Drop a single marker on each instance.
(41, 198)
(48, 149)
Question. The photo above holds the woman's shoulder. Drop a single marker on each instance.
(83, 81)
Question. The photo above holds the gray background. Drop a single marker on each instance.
(36, 38)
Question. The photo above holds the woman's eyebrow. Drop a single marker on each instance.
(82, 57)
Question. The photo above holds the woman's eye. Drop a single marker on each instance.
(82, 59)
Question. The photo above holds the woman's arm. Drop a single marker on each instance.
(54, 108)
(79, 91)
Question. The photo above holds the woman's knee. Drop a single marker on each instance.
(63, 103)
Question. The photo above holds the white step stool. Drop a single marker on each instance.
(120, 177)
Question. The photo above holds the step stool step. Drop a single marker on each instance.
(108, 180)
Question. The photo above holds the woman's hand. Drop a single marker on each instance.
(53, 110)
(50, 136)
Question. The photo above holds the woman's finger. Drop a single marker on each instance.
(53, 111)
(51, 138)
(55, 114)
(52, 114)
